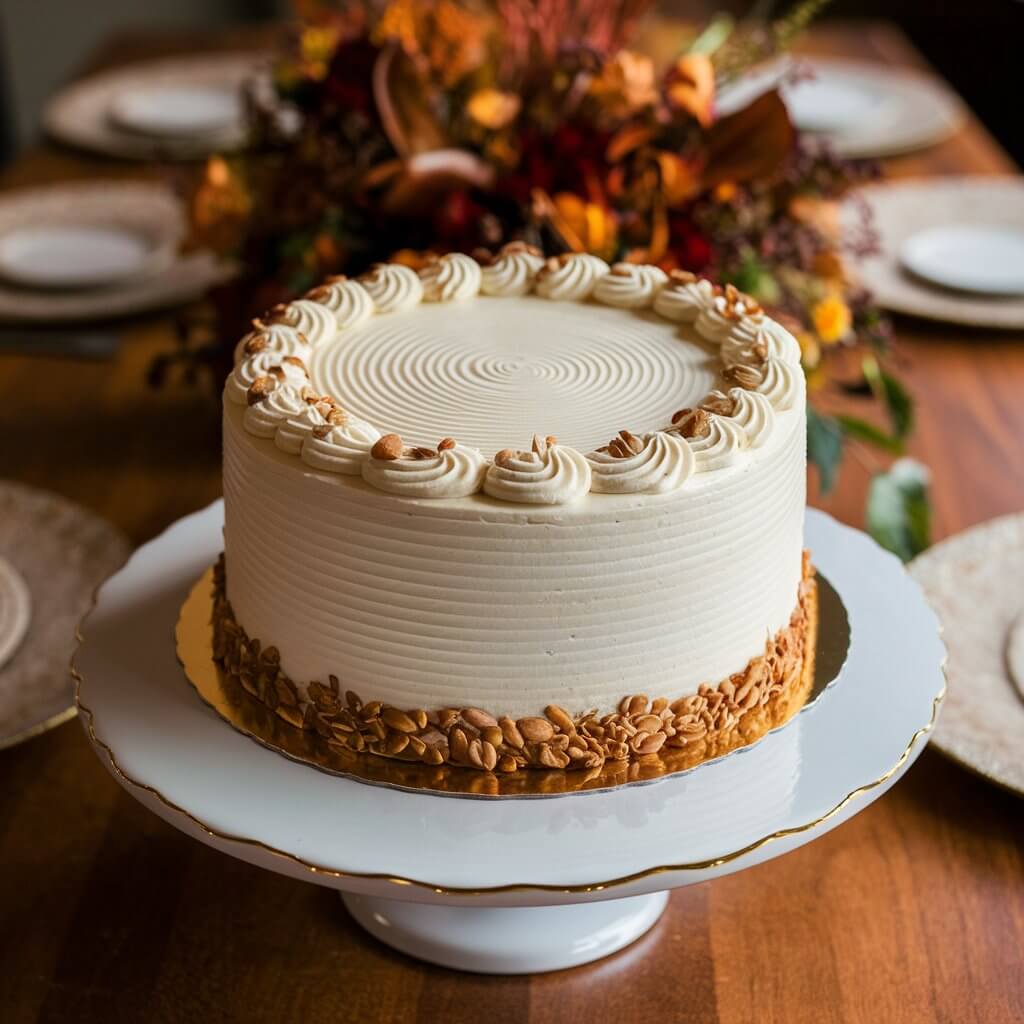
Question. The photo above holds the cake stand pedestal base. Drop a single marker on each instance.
(507, 940)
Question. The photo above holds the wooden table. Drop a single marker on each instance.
(913, 911)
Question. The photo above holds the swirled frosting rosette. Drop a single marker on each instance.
(549, 474)
(749, 346)
(348, 300)
(512, 271)
(782, 383)
(271, 337)
(292, 433)
(655, 463)
(749, 410)
(267, 363)
(718, 320)
(717, 442)
(393, 287)
(570, 277)
(684, 297)
(340, 447)
(450, 471)
(263, 417)
(315, 322)
(450, 278)
(630, 285)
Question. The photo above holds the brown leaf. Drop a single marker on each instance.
(402, 99)
(750, 144)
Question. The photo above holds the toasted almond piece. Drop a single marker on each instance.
(459, 744)
(637, 703)
(396, 743)
(560, 718)
(424, 453)
(536, 730)
(397, 719)
(388, 448)
(506, 457)
(259, 389)
(446, 444)
(539, 445)
(510, 731)
(478, 718)
(492, 734)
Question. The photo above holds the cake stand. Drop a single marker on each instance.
(506, 885)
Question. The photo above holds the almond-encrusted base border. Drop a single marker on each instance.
(643, 738)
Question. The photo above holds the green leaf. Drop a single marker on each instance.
(824, 447)
(892, 394)
(868, 432)
(899, 510)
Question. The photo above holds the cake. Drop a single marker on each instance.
(515, 513)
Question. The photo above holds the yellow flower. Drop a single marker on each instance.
(626, 84)
(493, 108)
(832, 319)
(591, 226)
(810, 350)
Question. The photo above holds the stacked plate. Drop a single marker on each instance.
(185, 108)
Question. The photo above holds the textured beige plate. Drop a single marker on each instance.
(63, 553)
(194, 645)
(902, 209)
(81, 114)
(975, 581)
(137, 207)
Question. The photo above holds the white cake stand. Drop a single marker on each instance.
(506, 885)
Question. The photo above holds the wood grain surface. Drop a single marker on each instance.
(912, 911)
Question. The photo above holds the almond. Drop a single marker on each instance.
(388, 448)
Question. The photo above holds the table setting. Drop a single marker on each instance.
(209, 247)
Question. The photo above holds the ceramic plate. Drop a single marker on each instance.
(79, 256)
(972, 257)
(902, 211)
(862, 109)
(166, 109)
(62, 553)
(973, 580)
(15, 610)
(179, 112)
(114, 233)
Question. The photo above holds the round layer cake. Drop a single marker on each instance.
(476, 514)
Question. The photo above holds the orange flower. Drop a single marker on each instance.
(492, 108)
(592, 225)
(810, 350)
(725, 192)
(626, 84)
(832, 319)
(220, 207)
(691, 86)
(679, 180)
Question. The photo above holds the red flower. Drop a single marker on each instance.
(690, 247)
(349, 77)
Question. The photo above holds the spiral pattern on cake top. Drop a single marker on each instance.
(663, 463)
(315, 322)
(393, 287)
(630, 285)
(454, 472)
(268, 363)
(512, 271)
(340, 448)
(271, 337)
(348, 300)
(450, 278)
(684, 297)
(570, 277)
(549, 474)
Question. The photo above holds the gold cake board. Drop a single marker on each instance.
(828, 644)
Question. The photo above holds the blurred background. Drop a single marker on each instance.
(975, 46)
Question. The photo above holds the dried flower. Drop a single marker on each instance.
(832, 319)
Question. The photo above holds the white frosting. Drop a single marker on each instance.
(554, 476)
(393, 287)
(291, 434)
(758, 333)
(630, 285)
(512, 272)
(454, 473)
(453, 277)
(684, 301)
(664, 464)
(721, 447)
(783, 384)
(347, 300)
(264, 364)
(279, 338)
(754, 414)
(263, 419)
(343, 450)
(719, 319)
(572, 277)
(314, 321)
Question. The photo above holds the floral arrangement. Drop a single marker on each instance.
(401, 128)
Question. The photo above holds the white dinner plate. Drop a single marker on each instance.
(972, 257)
(79, 256)
(861, 109)
(179, 112)
(901, 211)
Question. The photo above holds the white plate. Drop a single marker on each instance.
(79, 256)
(901, 210)
(114, 112)
(861, 109)
(179, 112)
(141, 227)
(971, 257)
(973, 581)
